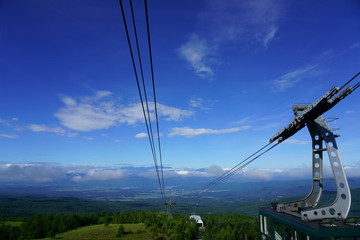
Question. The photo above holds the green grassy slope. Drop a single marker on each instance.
(102, 232)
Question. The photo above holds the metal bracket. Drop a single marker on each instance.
(306, 208)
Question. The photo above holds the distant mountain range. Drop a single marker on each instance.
(230, 197)
(141, 188)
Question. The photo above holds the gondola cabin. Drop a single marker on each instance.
(198, 220)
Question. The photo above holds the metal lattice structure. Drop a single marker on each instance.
(323, 140)
(306, 208)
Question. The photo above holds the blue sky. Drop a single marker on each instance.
(226, 72)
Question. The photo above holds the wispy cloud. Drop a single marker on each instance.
(349, 111)
(198, 54)
(141, 135)
(194, 132)
(90, 114)
(170, 113)
(200, 103)
(10, 136)
(267, 126)
(246, 21)
(269, 36)
(196, 102)
(355, 45)
(249, 22)
(56, 130)
(290, 79)
(100, 175)
(262, 122)
(10, 123)
(296, 141)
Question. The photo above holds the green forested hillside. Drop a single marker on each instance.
(153, 225)
(30, 206)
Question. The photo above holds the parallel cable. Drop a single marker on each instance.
(356, 86)
(219, 179)
(350, 81)
(140, 94)
(247, 163)
(152, 142)
(154, 92)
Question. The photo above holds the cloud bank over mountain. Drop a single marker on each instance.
(35, 173)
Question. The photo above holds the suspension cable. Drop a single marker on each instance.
(152, 142)
(232, 169)
(141, 98)
(154, 92)
(247, 161)
(350, 81)
(238, 167)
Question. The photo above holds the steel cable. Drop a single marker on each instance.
(141, 98)
(154, 92)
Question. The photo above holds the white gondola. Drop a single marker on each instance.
(198, 220)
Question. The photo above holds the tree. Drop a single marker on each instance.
(121, 231)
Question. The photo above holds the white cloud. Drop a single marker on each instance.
(57, 130)
(52, 172)
(171, 113)
(96, 113)
(215, 170)
(191, 132)
(355, 45)
(212, 171)
(256, 173)
(260, 123)
(246, 21)
(141, 135)
(295, 141)
(30, 172)
(266, 126)
(292, 173)
(349, 112)
(102, 94)
(200, 103)
(270, 35)
(197, 53)
(9, 122)
(68, 101)
(352, 171)
(290, 79)
(11, 136)
(86, 116)
(196, 102)
(100, 175)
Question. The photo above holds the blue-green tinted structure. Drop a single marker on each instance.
(278, 225)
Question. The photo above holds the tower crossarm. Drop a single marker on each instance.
(310, 112)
